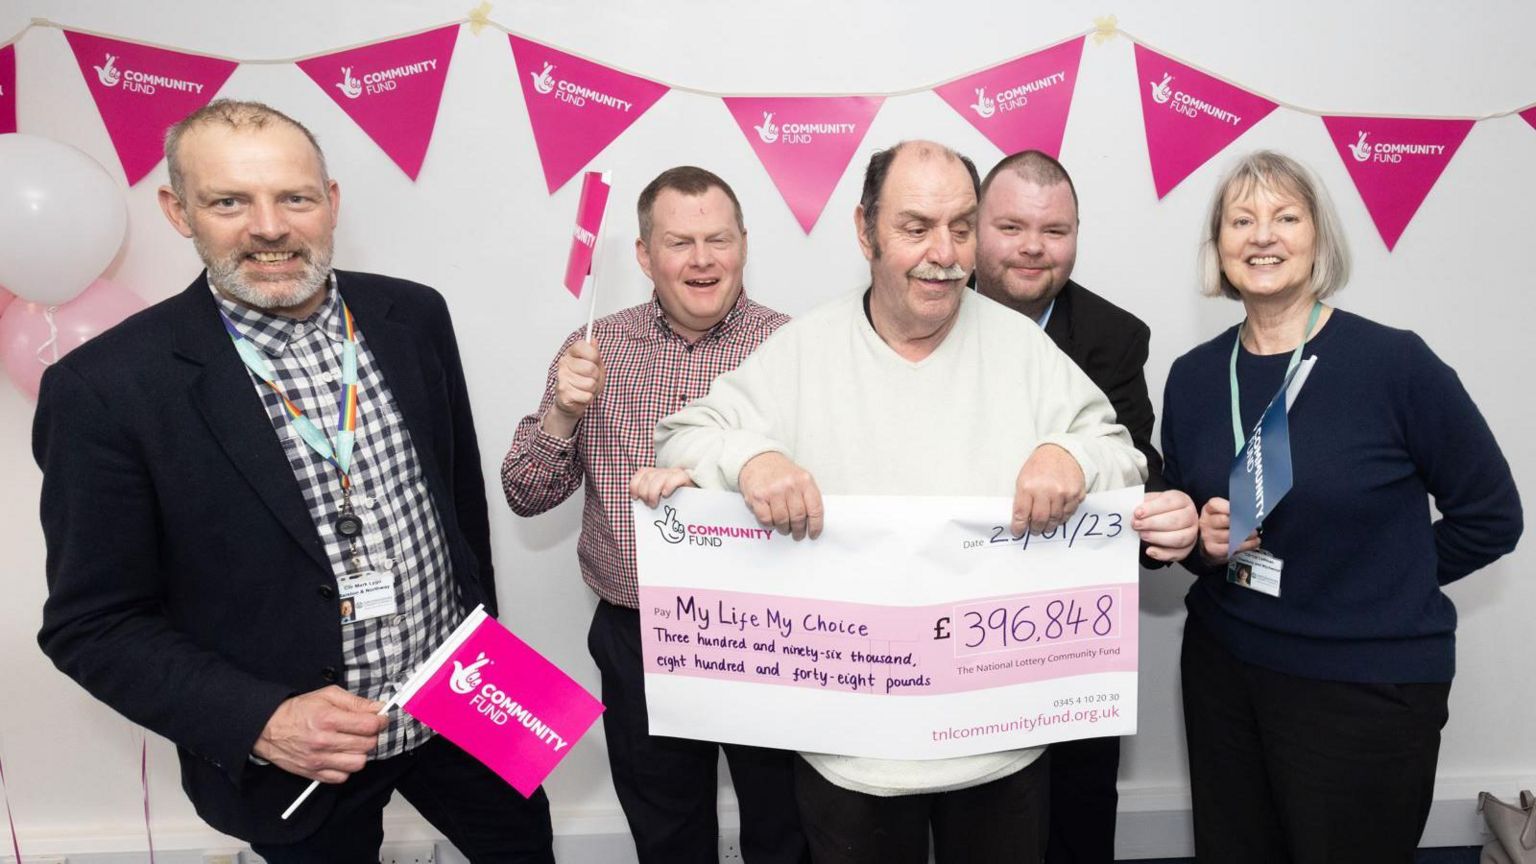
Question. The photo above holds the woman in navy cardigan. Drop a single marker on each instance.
(1317, 661)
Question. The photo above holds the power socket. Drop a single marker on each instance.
(408, 853)
(730, 851)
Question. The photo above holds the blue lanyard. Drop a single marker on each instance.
(1238, 438)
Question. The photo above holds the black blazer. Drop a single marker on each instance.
(1110, 345)
(187, 586)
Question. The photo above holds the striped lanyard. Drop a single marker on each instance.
(1238, 439)
(339, 452)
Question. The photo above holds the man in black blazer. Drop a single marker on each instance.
(216, 568)
(1026, 248)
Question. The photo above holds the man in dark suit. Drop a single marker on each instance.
(225, 470)
(1026, 248)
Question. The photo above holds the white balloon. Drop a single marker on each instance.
(62, 219)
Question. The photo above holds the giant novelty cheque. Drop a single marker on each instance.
(913, 628)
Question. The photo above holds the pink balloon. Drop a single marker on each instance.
(24, 329)
(5, 299)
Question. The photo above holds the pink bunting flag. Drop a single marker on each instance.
(595, 186)
(485, 690)
(1394, 162)
(1021, 104)
(391, 89)
(7, 89)
(1189, 116)
(805, 142)
(141, 91)
(576, 107)
(1530, 116)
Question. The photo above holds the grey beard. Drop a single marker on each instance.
(226, 276)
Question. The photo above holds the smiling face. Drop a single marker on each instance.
(1267, 243)
(259, 211)
(1026, 242)
(695, 256)
(923, 246)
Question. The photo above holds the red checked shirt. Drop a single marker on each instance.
(651, 372)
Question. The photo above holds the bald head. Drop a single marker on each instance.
(879, 169)
(235, 115)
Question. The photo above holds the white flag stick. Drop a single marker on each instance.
(414, 683)
(597, 248)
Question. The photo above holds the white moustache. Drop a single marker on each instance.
(935, 273)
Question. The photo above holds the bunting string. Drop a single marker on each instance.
(577, 106)
(1103, 30)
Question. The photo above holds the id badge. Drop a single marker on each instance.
(1257, 570)
(366, 595)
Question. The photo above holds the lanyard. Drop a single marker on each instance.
(339, 454)
(1238, 439)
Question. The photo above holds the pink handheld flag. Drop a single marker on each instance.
(590, 208)
(589, 222)
(502, 703)
(485, 690)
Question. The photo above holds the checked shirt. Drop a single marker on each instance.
(651, 372)
(401, 532)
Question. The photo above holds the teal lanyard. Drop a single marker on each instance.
(1238, 438)
(339, 455)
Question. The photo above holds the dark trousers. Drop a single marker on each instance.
(667, 786)
(477, 811)
(1285, 769)
(1083, 801)
(1001, 822)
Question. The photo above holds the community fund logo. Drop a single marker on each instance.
(670, 526)
(543, 81)
(768, 132)
(1390, 152)
(107, 73)
(136, 81)
(675, 531)
(1188, 104)
(573, 93)
(984, 107)
(350, 87)
(799, 133)
(383, 80)
(1361, 148)
(1015, 97)
(466, 678)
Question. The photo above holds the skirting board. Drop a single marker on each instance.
(1154, 823)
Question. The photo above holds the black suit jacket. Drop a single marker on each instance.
(188, 587)
(1110, 345)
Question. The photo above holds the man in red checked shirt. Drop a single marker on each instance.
(596, 426)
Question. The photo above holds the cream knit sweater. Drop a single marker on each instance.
(827, 392)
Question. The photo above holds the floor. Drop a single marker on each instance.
(1455, 855)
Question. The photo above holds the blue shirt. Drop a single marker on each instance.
(1045, 317)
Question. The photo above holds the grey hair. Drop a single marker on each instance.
(232, 114)
(1275, 172)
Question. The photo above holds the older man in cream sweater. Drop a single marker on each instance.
(916, 386)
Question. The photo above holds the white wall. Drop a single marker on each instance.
(479, 226)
